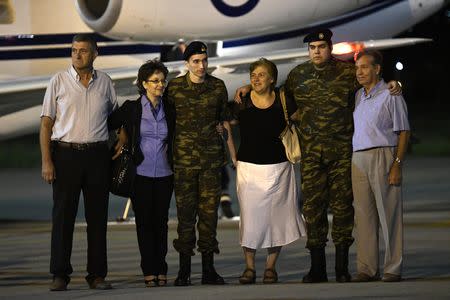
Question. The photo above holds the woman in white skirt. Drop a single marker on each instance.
(266, 186)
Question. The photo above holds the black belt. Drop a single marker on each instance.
(80, 147)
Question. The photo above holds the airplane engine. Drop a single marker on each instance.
(133, 20)
(100, 15)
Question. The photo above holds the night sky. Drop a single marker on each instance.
(425, 75)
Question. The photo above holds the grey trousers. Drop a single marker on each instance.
(377, 204)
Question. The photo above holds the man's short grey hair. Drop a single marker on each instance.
(85, 37)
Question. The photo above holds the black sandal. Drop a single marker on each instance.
(270, 276)
(162, 281)
(151, 283)
(248, 276)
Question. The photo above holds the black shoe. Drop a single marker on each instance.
(184, 274)
(58, 284)
(182, 280)
(341, 267)
(209, 274)
(99, 283)
(318, 271)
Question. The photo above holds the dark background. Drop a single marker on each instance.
(426, 85)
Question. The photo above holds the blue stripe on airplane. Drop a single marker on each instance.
(65, 52)
(234, 11)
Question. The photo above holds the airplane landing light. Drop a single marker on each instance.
(346, 48)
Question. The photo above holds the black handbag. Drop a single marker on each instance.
(123, 172)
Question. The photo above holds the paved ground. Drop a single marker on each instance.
(24, 254)
(24, 258)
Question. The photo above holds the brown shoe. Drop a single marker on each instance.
(99, 283)
(270, 276)
(58, 284)
(391, 278)
(363, 277)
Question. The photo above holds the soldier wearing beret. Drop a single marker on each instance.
(324, 89)
(199, 101)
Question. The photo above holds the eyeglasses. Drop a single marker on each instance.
(156, 81)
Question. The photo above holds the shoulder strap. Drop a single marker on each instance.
(283, 103)
(133, 127)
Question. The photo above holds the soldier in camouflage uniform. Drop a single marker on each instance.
(324, 90)
(199, 101)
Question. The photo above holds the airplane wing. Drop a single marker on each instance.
(21, 99)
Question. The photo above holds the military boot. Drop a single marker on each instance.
(209, 274)
(341, 267)
(184, 274)
(318, 271)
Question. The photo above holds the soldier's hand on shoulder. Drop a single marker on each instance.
(395, 88)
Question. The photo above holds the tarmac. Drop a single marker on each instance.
(25, 255)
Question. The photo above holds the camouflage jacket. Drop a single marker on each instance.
(198, 109)
(325, 99)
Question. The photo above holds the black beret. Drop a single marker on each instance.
(323, 34)
(196, 47)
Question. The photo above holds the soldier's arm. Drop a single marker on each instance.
(230, 143)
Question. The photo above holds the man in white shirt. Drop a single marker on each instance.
(75, 158)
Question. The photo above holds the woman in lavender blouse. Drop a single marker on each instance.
(149, 124)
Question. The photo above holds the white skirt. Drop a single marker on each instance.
(267, 196)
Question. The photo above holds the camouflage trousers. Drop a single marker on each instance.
(327, 183)
(197, 194)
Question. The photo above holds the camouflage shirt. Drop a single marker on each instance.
(325, 99)
(198, 108)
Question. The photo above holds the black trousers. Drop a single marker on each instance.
(151, 202)
(87, 171)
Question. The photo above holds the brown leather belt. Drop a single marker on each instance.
(80, 147)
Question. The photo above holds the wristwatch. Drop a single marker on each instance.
(398, 160)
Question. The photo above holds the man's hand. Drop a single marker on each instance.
(48, 171)
(395, 88)
(243, 90)
(395, 174)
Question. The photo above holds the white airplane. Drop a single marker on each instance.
(241, 30)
